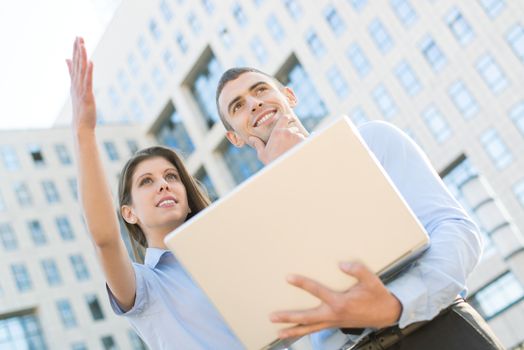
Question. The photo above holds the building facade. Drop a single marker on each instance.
(52, 291)
(447, 72)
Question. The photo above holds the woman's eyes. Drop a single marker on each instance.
(171, 176)
(145, 181)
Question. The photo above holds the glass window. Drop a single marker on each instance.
(459, 26)
(143, 47)
(22, 194)
(108, 343)
(9, 158)
(3, 206)
(194, 23)
(404, 12)
(384, 102)
(258, 48)
(436, 123)
(123, 80)
(132, 145)
(94, 307)
(37, 232)
(167, 12)
(147, 94)
(78, 346)
(202, 176)
(21, 332)
(181, 42)
(21, 276)
(496, 148)
(515, 39)
(337, 82)
(158, 77)
(66, 313)
(225, 36)
(380, 36)
(113, 96)
(314, 43)
(63, 154)
(491, 73)
(492, 7)
(8, 237)
(172, 131)
(518, 189)
(293, 9)
(497, 296)
(275, 28)
(136, 110)
(432, 53)
(136, 342)
(73, 187)
(408, 78)
(50, 191)
(461, 173)
(358, 116)
(111, 151)
(169, 60)
(35, 151)
(79, 267)
(241, 162)
(203, 89)
(358, 60)
(516, 114)
(51, 272)
(358, 5)
(154, 29)
(209, 6)
(132, 63)
(335, 22)
(64, 228)
(239, 14)
(463, 99)
(312, 109)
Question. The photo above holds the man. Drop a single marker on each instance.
(258, 111)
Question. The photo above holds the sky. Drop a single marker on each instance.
(35, 39)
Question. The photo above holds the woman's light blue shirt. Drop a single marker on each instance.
(170, 311)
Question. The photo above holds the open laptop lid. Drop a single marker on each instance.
(327, 200)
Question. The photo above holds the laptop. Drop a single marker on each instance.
(325, 201)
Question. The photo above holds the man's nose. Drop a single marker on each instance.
(254, 103)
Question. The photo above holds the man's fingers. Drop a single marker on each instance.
(298, 316)
(312, 287)
(301, 330)
(257, 144)
(359, 271)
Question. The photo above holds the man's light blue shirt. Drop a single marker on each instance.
(434, 280)
(171, 312)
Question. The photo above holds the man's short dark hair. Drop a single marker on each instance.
(232, 74)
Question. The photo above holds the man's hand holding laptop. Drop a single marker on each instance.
(367, 304)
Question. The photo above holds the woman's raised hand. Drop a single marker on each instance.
(82, 97)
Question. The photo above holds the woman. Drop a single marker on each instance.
(156, 194)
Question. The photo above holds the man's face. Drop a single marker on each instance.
(252, 104)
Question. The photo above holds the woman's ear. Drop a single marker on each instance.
(128, 215)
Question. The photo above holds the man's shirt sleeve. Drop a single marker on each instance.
(439, 275)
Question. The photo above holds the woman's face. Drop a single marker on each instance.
(159, 199)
